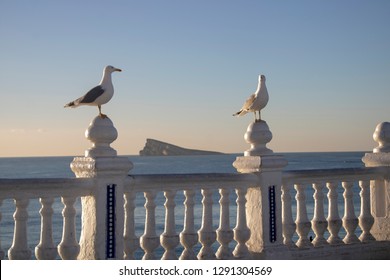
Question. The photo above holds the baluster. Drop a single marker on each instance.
(303, 223)
(149, 240)
(350, 222)
(69, 249)
(19, 249)
(188, 237)
(206, 233)
(46, 250)
(319, 223)
(241, 231)
(169, 239)
(366, 220)
(224, 233)
(131, 241)
(334, 221)
(288, 223)
(2, 253)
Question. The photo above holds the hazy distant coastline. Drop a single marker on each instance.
(158, 148)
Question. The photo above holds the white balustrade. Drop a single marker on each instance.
(189, 237)
(149, 240)
(131, 241)
(260, 168)
(366, 220)
(68, 248)
(2, 253)
(24, 190)
(350, 222)
(169, 238)
(319, 223)
(224, 232)
(337, 180)
(241, 231)
(302, 221)
(19, 249)
(288, 223)
(334, 221)
(207, 235)
(46, 250)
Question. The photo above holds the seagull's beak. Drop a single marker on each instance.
(117, 69)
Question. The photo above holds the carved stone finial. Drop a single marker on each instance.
(101, 132)
(258, 135)
(382, 137)
(259, 158)
(101, 160)
(381, 154)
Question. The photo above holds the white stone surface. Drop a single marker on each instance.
(253, 207)
(258, 135)
(380, 189)
(382, 136)
(101, 132)
(101, 162)
(268, 167)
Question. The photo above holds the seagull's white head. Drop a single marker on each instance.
(261, 78)
(110, 69)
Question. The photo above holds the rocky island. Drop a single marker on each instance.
(159, 148)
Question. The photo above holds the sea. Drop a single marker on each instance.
(59, 167)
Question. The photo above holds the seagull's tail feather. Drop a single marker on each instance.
(70, 104)
(240, 113)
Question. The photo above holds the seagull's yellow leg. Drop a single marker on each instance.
(257, 119)
(103, 116)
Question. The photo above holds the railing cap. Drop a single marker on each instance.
(101, 132)
(101, 160)
(381, 154)
(252, 164)
(382, 137)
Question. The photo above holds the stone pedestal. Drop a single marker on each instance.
(103, 212)
(263, 208)
(380, 189)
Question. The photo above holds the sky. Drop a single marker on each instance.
(188, 66)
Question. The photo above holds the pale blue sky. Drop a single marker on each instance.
(187, 66)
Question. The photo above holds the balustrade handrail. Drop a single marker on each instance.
(30, 188)
(55, 187)
(339, 174)
(184, 181)
(52, 187)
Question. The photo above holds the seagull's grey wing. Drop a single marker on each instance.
(248, 103)
(247, 106)
(91, 95)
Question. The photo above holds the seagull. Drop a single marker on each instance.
(256, 101)
(98, 95)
